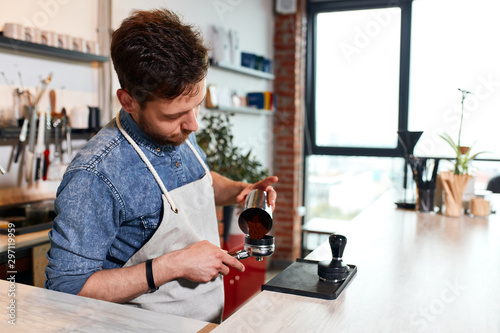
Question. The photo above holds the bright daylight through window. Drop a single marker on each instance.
(463, 53)
(356, 105)
(361, 95)
(357, 78)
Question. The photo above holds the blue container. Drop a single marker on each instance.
(259, 63)
(267, 65)
(256, 100)
(248, 60)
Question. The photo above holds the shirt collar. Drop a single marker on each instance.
(141, 138)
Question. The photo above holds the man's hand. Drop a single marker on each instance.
(264, 185)
(198, 262)
(203, 261)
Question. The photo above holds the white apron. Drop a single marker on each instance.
(188, 217)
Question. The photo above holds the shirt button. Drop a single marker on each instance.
(177, 164)
(158, 149)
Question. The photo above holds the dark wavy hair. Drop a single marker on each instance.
(155, 56)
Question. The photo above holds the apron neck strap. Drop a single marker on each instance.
(207, 170)
(149, 165)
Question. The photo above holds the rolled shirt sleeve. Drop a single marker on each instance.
(88, 216)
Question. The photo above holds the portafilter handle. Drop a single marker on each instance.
(240, 254)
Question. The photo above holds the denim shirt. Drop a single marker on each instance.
(109, 204)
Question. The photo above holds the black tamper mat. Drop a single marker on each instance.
(301, 278)
(321, 279)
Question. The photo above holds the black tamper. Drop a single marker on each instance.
(334, 271)
(301, 277)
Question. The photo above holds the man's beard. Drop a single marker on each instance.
(162, 140)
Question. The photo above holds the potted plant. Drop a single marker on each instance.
(454, 182)
(224, 157)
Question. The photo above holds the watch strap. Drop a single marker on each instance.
(149, 276)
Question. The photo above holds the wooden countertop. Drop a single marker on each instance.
(41, 310)
(417, 272)
(25, 240)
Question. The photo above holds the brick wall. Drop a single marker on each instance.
(289, 68)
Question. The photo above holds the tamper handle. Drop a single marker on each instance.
(337, 244)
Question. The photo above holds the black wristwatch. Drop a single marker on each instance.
(149, 276)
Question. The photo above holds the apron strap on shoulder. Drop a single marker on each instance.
(148, 164)
(207, 170)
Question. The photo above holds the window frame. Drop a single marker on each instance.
(317, 7)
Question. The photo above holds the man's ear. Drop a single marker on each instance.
(128, 103)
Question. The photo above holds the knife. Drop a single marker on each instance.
(30, 154)
(22, 138)
(40, 141)
(67, 130)
(46, 153)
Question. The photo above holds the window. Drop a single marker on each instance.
(460, 52)
(361, 87)
(357, 78)
(339, 187)
(354, 98)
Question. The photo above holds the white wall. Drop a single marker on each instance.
(254, 22)
(77, 83)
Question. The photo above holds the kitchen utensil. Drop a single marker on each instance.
(80, 117)
(11, 114)
(94, 118)
(325, 279)
(24, 129)
(5, 78)
(46, 152)
(48, 38)
(44, 85)
(19, 106)
(57, 168)
(257, 248)
(77, 44)
(334, 270)
(240, 254)
(13, 30)
(32, 34)
(408, 141)
(67, 131)
(30, 154)
(64, 41)
(256, 219)
(54, 113)
(40, 142)
(22, 138)
(301, 278)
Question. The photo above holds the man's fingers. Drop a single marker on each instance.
(263, 184)
(235, 263)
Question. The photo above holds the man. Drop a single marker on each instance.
(136, 207)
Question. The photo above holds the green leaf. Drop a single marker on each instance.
(215, 137)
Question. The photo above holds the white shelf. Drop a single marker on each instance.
(245, 110)
(15, 45)
(244, 70)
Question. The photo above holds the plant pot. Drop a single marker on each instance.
(453, 187)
